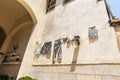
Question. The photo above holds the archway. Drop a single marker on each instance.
(27, 7)
(18, 20)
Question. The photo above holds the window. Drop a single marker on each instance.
(65, 1)
(50, 5)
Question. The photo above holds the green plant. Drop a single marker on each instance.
(26, 78)
(4, 77)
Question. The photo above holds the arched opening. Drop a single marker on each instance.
(23, 3)
(2, 36)
(20, 38)
(18, 20)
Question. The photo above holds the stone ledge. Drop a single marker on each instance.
(38, 64)
(10, 63)
(115, 22)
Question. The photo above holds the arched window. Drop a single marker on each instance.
(2, 36)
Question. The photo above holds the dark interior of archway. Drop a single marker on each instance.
(2, 37)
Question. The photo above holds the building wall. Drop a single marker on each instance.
(94, 60)
(75, 18)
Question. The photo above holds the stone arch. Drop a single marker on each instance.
(27, 7)
(20, 51)
(9, 37)
(19, 27)
(34, 21)
(16, 27)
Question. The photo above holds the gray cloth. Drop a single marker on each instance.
(93, 32)
(38, 49)
(46, 48)
(57, 49)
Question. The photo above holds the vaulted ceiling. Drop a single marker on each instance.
(12, 13)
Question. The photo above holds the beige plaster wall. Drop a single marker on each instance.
(69, 20)
(82, 72)
(94, 60)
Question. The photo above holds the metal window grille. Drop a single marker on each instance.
(50, 5)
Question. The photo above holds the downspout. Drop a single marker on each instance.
(109, 11)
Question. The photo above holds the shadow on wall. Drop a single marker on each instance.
(75, 57)
(2, 36)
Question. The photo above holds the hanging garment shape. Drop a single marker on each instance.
(57, 50)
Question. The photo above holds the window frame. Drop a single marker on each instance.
(50, 5)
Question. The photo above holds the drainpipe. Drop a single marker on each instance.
(109, 10)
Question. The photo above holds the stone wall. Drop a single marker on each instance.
(97, 60)
(82, 72)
